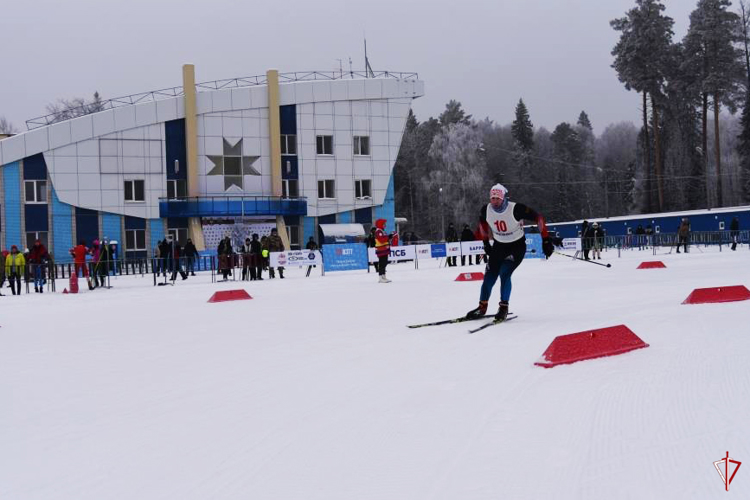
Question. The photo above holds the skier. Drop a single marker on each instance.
(502, 223)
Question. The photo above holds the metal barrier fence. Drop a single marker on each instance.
(658, 241)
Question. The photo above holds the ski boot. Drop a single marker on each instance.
(479, 311)
(502, 312)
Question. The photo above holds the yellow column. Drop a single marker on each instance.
(191, 138)
(274, 136)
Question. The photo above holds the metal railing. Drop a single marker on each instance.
(224, 205)
(249, 81)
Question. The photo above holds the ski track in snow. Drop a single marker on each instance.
(316, 389)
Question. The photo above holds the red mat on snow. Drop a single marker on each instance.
(470, 277)
(227, 295)
(718, 294)
(590, 344)
(654, 264)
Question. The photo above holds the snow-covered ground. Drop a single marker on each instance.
(315, 389)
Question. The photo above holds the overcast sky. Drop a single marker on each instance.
(486, 54)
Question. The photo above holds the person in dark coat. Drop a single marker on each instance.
(585, 241)
(225, 257)
(683, 234)
(38, 259)
(164, 254)
(247, 267)
(467, 235)
(190, 254)
(256, 259)
(275, 245)
(451, 236)
(174, 259)
(734, 231)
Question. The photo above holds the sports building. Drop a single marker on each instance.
(290, 150)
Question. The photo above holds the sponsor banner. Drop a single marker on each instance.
(438, 250)
(453, 249)
(295, 258)
(534, 246)
(397, 253)
(424, 251)
(572, 244)
(345, 257)
(472, 248)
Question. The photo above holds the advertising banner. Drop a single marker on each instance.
(397, 253)
(534, 246)
(453, 249)
(424, 251)
(295, 258)
(572, 244)
(472, 248)
(438, 250)
(346, 257)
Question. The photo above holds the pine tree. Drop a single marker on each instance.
(522, 128)
(583, 121)
(744, 149)
(641, 61)
(712, 53)
(454, 114)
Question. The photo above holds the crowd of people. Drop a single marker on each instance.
(253, 257)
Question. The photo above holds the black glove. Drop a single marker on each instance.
(487, 247)
(547, 247)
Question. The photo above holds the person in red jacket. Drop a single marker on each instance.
(38, 259)
(382, 249)
(79, 253)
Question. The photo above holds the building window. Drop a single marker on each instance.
(294, 239)
(179, 235)
(324, 144)
(363, 189)
(327, 189)
(176, 189)
(135, 239)
(32, 236)
(288, 144)
(289, 188)
(36, 191)
(361, 145)
(135, 191)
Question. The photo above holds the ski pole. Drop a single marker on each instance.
(583, 260)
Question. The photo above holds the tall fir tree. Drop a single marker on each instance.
(454, 113)
(522, 128)
(712, 53)
(642, 57)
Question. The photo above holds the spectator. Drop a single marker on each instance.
(15, 267)
(639, 235)
(38, 259)
(4, 255)
(113, 253)
(451, 236)
(256, 252)
(598, 238)
(275, 245)
(174, 258)
(466, 235)
(585, 239)
(264, 254)
(382, 249)
(190, 254)
(157, 258)
(102, 263)
(683, 234)
(246, 259)
(79, 259)
(371, 244)
(164, 251)
(225, 257)
(312, 246)
(734, 231)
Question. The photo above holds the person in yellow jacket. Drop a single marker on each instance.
(15, 267)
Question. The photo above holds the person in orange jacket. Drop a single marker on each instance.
(382, 249)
